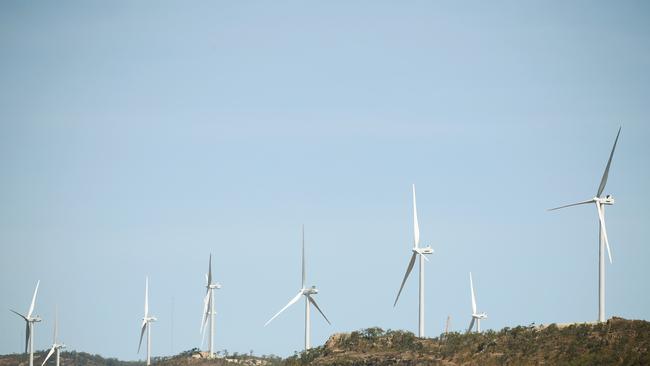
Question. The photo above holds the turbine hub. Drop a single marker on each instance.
(310, 291)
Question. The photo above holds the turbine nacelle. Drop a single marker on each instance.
(310, 291)
(149, 319)
(425, 250)
(479, 316)
(607, 200)
(35, 319)
(214, 286)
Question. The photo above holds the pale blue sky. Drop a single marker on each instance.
(138, 137)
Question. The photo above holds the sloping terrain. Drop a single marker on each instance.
(616, 342)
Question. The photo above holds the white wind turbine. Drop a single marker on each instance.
(307, 293)
(417, 250)
(56, 346)
(29, 326)
(208, 307)
(146, 320)
(602, 231)
(476, 317)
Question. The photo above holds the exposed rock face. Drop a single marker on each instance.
(617, 342)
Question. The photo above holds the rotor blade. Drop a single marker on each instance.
(202, 336)
(144, 326)
(293, 301)
(210, 271)
(416, 227)
(49, 354)
(603, 180)
(31, 307)
(56, 323)
(408, 271)
(206, 315)
(471, 285)
(27, 335)
(146, 297)
(311, 300)
(303, 256)
(206, 305)
(471, 325)
(19, 314)
(601, 218)
(573, 204)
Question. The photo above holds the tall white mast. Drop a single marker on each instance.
(421, 252)
(308, 293)
(603, 242)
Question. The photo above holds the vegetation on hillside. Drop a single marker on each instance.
(616, 342)
(68, 358)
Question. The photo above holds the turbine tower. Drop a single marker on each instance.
(146, 322)
(476, 317)
(307, 293)
(56, 346)
(417, 250)
(603, 243)
(208, 307)
(30, 320)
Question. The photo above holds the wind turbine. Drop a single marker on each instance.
(307, 293)
(208, 306)
(476, 317)
(417, 250)
(602, 231)
(56, 346)
(146, 320)
(29, 326)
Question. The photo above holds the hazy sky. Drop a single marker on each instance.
(138, 137)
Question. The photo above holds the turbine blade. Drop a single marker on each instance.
(210, 271)
(56, 324)
(573, 204)
(603, 229)
(49, 354)
(206, 305)
(603, 180)
(408, 271)
(146, 297)
(144, 326)
(202, 336)
(416, 226)
(31, 307)
(27, 335)
(293, 301)
(311, 300)
(471, 285)
(303, 256)
(471, 325)
(19, 314)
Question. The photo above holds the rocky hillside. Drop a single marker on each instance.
(67, 359)
(617, 342)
